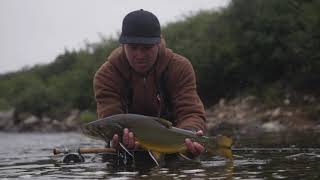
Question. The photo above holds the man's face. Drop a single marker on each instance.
(141, 57)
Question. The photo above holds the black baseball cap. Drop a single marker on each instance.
(140, 27)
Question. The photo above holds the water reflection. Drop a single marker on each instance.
(255, 157)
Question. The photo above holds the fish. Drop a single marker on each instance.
(156, 135)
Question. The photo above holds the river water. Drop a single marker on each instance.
(264, 156)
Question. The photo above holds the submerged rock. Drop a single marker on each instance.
(273, 126)
(72, 121)
(31, 120)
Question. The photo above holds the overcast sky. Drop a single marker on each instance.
(36, 31)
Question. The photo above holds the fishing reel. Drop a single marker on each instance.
(73, 158)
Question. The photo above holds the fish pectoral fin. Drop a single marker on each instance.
(184, 156)
(189, 157)
(164, 122)
(125, 149)
(156, 156)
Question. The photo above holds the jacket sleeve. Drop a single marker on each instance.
(187, 106)
(107, 91)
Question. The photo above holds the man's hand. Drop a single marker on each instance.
(194, 148)
(128, 140)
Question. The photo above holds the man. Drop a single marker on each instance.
(142, 76)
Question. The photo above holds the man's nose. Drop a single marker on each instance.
(140, 53)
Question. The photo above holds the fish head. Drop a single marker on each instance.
(102, 129)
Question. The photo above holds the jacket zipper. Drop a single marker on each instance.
(145, 92)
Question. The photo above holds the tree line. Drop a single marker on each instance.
(260, 47)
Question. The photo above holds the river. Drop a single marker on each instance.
(267, 156)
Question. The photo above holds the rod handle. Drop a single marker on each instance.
(88, 150)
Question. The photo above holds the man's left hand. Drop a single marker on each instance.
(195, 148)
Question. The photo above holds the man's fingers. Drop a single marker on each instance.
(115, 141)
(194, 148)
(199, 133)
(130, 141)
(198, 148)
(136, 145)
(125, 137)
(190, 146)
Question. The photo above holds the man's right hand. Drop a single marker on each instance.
(128, 140)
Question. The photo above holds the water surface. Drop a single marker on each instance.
(267, 156)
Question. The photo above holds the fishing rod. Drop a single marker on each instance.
(87, 150)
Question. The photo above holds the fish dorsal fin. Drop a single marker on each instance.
(164, 122)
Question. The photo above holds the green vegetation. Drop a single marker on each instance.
(262, 47)
(251, 45)
(87, 116)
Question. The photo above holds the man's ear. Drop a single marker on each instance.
(123, 48)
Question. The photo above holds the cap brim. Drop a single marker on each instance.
(138, 40)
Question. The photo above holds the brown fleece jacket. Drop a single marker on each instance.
(112, 79)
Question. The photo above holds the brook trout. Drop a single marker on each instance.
(154, 134)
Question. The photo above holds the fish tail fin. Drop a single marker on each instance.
(223, 152)
(220, 145)
(223, 141)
